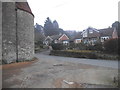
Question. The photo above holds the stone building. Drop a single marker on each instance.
(17, 32)
(0, 32)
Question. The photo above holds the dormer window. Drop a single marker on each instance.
(90, 31)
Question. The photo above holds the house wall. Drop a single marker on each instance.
(25, 28)
(85, 33)
(64, 37)
(8, 32)
(78, 41)
(105, 38)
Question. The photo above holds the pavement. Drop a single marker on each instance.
(60, 72)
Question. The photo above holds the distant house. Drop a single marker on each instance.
(48, 40)
(107, 33)
(78, 38)
(90, 36)
(61, 38)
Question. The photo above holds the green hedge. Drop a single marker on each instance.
(83, 54)
(57, 46)
(111, 45)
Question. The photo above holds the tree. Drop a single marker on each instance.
(55, 24)
(48, 27)
(51, 28)
(39, 34)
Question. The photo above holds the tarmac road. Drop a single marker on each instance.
(60, 72)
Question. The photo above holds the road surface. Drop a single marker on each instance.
(60, 72)
(103, 63)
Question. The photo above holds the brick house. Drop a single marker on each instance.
(61, 38)
(90, 36)
(107, 33)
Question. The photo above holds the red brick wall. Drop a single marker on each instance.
(64, 37)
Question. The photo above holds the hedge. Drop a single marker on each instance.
(83, 54)
(57, 46)
(111, 45)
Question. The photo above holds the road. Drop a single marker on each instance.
(103, 63)
(60, 72)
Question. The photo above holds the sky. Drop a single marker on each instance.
(76, 14)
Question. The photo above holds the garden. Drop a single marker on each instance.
(108, 50)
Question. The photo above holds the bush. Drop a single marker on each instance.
(84, 54)
(76, 54)
(72, 46)
(97, 47)
(111, 46)
(57, 46)
(81, 46)
(39, 44)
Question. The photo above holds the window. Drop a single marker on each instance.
(90, 31)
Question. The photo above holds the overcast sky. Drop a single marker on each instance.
(76, 14)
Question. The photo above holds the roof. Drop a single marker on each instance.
(91, 32)
(106, 32)
(54, 37)
(78, 36)
(24, 6)
(94, 34)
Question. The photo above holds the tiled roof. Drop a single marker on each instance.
(106, 32)
(91, 33)
(24, 6)
(78, 36)
(94, 34)
(54, 37)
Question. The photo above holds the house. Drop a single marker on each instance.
(61, 38)
(78, 38)
(90, 36)
(107, 33)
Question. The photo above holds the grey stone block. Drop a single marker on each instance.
(8, 32)
(0, 32)
(17, 34)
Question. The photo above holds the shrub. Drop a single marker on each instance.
(76, 54)
(81, 46)
(72, 46)
(97, 47)
(57, 46)
(38, 44)
(84, 54)
(111, 46)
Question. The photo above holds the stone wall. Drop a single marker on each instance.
(8, 32)
(25, 30)
(0, 32)
(17, 34)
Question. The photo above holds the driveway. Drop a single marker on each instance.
(60, 72)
